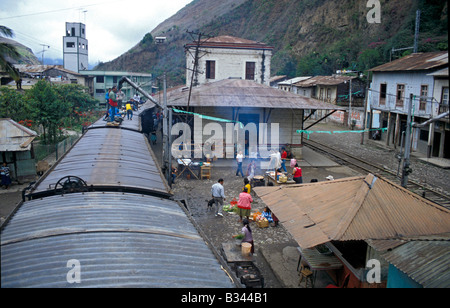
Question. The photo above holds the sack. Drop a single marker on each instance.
(293, 162)
(112, 103)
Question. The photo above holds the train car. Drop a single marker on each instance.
(103, 216)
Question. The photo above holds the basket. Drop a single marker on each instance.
(263, 223)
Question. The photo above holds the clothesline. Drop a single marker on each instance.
(309, 132)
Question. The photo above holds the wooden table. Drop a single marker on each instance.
(233, 254)
(277, 183)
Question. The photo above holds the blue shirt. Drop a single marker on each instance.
(218, 191)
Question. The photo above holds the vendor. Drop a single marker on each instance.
(244, 204)
(247, 232)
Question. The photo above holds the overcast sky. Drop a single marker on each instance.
(112, 27)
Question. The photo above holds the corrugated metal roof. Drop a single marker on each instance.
(226, 41)
(357, 208)
(120, 240)
(243, 93)
(324, 80)
(15, 137)
(426, 262)
(109, 157)
(415, 61)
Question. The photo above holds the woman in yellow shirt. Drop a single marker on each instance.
(247, 185)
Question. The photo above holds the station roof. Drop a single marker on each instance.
(243, 93)
(415, 61)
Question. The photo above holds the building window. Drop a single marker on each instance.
(444, 100)
(400, 95)
(383, 89)
(210, 69)
(100, 79)
(72, 31)
(423, 97)
(250, 70)
(70, 45)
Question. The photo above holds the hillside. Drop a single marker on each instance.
(310, 37)
(26, 54)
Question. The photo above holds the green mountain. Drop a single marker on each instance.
(310, 37)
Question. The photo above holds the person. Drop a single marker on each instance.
(251, 169)
(244, 204)
(112, 103)
(174, 174)
(218, 193)
(247, 185)
(247, 232)
(297, 172)
(6, 178)
(239, 160)
(153, 137)
(283, 159)
(120, 96)
(137, 98)
(270, 216)
(129, 111)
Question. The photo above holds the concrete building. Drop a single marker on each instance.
(425, 76)
(225, 57)
(75, 47)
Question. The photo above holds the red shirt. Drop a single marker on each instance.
(298, 172)
(284, 154)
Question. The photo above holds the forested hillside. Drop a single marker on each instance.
(310, 37)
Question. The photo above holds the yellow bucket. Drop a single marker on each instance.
(246, 248)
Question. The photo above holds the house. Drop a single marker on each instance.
(250, 103)
(16, 149)
(356, 218)
(289, 85)
(225, 57)
(424, 76)
(104, 80)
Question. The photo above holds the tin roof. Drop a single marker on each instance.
(426, 261)
(109, 157)
(324, 80)
(356, 208)
(226, 41)
(243, 93)
(120, 240)
(15, 137)
(415, 61)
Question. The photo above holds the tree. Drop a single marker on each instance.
(13, 105)
(9, 51)
(47, 109)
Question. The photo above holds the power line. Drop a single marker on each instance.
(55, 11)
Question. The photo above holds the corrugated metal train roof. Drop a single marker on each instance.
(120, 240)
(109, 157)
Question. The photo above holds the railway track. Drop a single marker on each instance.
(363, 166)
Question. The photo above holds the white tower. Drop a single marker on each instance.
(75, 47)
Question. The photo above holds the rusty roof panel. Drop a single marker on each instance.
(353, 209)
(415, 61)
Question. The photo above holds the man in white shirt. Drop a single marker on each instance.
(218, 194)
(239, 159)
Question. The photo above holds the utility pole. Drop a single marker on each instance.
(406, 163)
(43, 51)
(416, 33)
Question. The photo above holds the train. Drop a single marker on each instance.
(103, 216)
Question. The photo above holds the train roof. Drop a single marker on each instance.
(106, 157)
(119, 240)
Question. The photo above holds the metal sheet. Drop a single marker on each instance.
(109, 157)
(120, 240)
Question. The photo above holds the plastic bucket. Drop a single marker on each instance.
(246, 248)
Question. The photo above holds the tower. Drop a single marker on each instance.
(75, 47)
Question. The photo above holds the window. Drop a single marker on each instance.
(100, 79)
(383, 89)
(73, 31)
(423, 97)
(400, 95)
(70, 45)
(444, 100)
(250, 70)
(210, 69)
